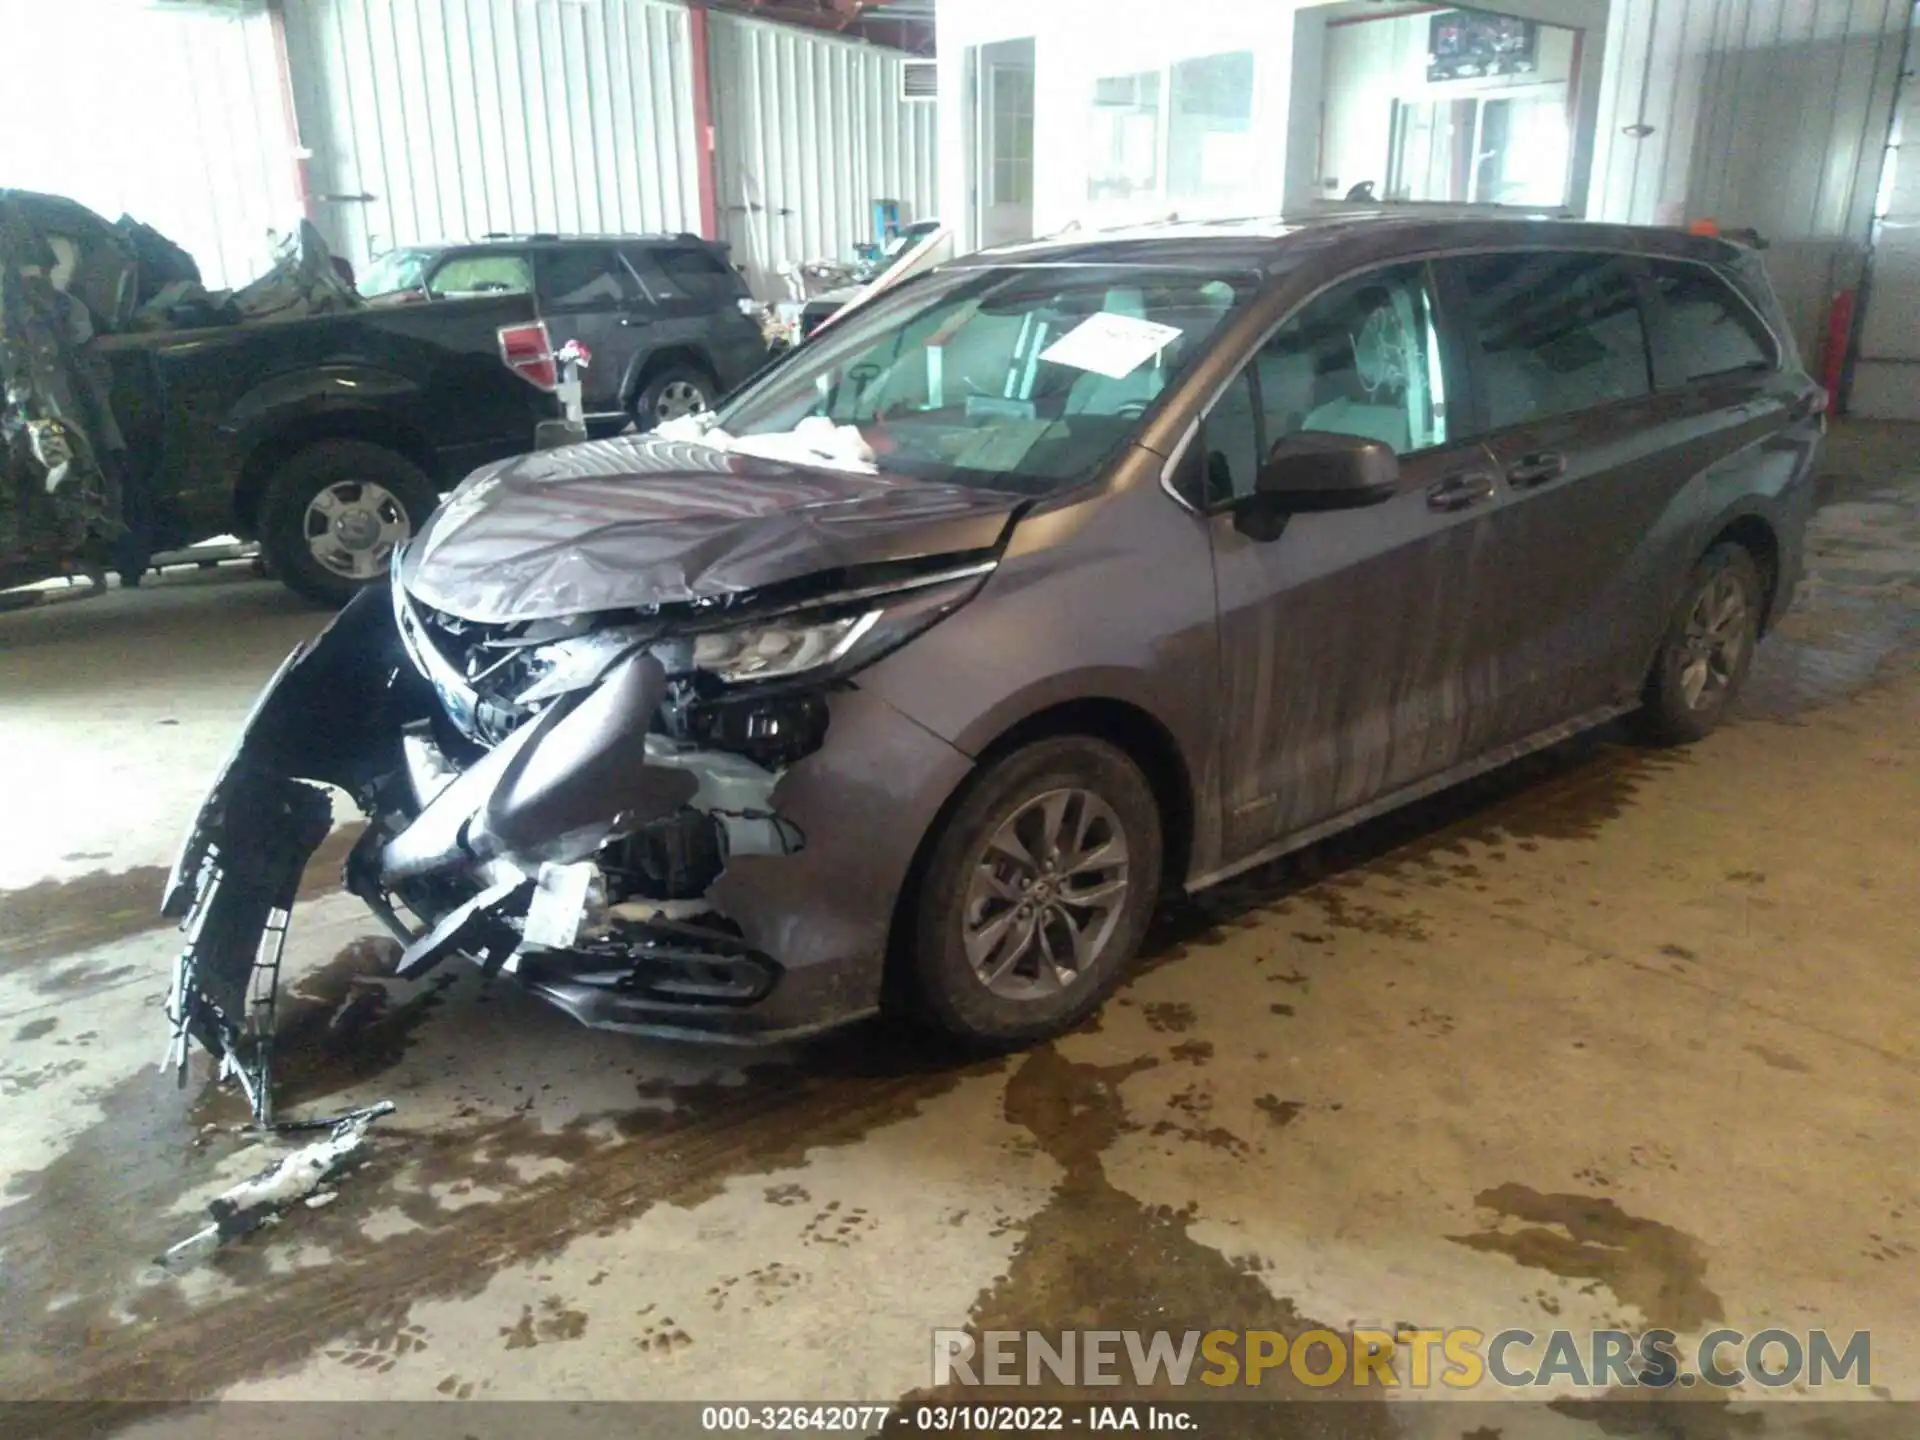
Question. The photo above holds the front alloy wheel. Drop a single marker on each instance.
(1049, 890)
(1036, 892)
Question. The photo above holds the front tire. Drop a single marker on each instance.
(1707, 651)
(332, 516)
(1036, 894)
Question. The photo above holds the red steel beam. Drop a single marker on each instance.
(703, 123)
(296, 150)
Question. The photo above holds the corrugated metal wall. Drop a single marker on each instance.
(175, 117)
(1886, 375)
(453, 118)
(811, 131)
(1766, 113)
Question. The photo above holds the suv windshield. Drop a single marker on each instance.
(396, 271)
(1021, 378)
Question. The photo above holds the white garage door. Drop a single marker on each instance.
(174, 115)
(1886, 377)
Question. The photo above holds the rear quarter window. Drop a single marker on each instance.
(1709, 330)
(687, 271)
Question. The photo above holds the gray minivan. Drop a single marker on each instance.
(1042, 583)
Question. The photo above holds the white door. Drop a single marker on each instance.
(1003, 142)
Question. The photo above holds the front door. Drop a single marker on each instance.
(1355, 648)
(1003, 142)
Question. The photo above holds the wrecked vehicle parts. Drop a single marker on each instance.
(263, 1196)
(552, 801)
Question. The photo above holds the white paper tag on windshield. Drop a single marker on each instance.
(1111, 345)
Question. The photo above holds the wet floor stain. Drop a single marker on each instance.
(1094, 1254)
(106, 1197)
(1281, 1112)
(381, 1350)
(35, 1029)
(1657, 1269)
(553, 1323)
(1170, 1016)
(1779, 1059)
(58, 917)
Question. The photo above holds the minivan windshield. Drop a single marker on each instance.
(1020, 378)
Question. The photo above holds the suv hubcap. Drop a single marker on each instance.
(352, 528)
(1046, 895)
(1714, 642)
(677, 398)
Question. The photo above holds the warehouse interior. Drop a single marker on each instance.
(1608, 1039)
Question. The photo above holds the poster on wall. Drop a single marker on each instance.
(1471, 44)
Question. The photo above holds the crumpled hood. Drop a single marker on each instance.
(637, 521)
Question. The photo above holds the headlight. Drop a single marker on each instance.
(779, 648)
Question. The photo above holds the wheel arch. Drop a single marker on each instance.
(1126, 726)
(1755, 534)
(272, 451)
(668, 357)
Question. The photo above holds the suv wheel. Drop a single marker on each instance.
(671, 393)
(333, 515)
(1707, 651)
(1037, 893)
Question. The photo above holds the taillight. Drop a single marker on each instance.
(527, 350)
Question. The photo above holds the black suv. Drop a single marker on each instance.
(667, 319)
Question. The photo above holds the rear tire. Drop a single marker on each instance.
(1056, 936)
(332, 515)
(1707, 651)
(671, 393)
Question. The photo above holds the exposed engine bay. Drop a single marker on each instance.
(553, 799)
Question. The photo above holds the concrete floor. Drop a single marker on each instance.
(1616, 1038)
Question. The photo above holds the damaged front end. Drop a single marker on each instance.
(554, 799)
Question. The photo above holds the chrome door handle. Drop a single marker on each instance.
(1536, 469)
(1461, 492)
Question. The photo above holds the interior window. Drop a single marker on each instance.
(1712, 330)
(585, 275)
(488, 273)
(1363, 359)
(1557, 333)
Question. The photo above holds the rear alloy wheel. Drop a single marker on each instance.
(333, 515)
(671, 395)
(1037, 893)
(1708, 648)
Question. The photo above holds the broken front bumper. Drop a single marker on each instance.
(507, 855)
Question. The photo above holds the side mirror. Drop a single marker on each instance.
(1317, 470)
